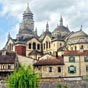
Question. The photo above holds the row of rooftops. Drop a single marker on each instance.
(60, 33)
(59, 60)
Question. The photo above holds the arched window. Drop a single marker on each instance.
(71, 59)
(34, 45)
(81, 47)
(38, 46)
(60, 44)
(29, 45)
(49, 45)
(75, 48)
(71, 48)
(46, 44)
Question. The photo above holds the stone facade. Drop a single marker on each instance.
(29, 44)
(48, 42)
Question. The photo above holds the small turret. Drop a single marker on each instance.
(61, 21)
(27, 13)
(35, 32)
(81, 28)
(27, 9)
(9, 36)
(47, 27)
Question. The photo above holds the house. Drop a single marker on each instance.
(8, 63)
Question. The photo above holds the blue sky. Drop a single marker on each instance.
(74, 12)
(6, 24)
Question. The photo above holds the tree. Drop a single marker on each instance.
(23, 78)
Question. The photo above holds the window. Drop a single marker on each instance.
(81, 47)
(60, 44)
(38, 46)
(9, 67)
(39, 67)
(49, 45)
(71, 59)
(86, 58)
(75, 48)
(29, 45)
(46, 44)
(71, 48)
(59, 69)
(72, 69)
(87, 68)
(50, 69)
(34, 45)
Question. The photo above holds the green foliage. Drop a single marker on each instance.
(23, 78)
(61, 86)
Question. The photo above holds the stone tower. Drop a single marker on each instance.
(27, 26)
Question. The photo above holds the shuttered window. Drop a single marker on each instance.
(86, 59)
(72, 69)
(71, 59)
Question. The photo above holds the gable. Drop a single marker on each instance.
(47, 38)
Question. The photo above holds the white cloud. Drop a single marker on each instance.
(73, 12)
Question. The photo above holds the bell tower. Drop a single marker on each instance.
(26, 28)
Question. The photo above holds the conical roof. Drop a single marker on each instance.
(27, 9)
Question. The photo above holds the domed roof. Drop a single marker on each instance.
(61, 29)
(78, 34)
(78, 37)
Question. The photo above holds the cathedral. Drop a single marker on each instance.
(61, 53)
(28, 43)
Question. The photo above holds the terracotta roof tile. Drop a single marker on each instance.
(9, 58)
(79, 53)
(53, 61)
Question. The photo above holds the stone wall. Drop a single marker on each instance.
(70, 84)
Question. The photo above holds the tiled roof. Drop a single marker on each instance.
(79, 53)
(9, 58)
(53, 61)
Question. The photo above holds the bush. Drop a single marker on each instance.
(23, 78)
(61, 86)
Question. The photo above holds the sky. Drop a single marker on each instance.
(74, 13)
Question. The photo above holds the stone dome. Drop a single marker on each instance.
(61, 30)
(78, 37)
(78, 34)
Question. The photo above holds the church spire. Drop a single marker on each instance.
(47, 27)
(35, 31)
(9, 36)
(61, 21)
(27, 13)
(81, 28)
(27, 9)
